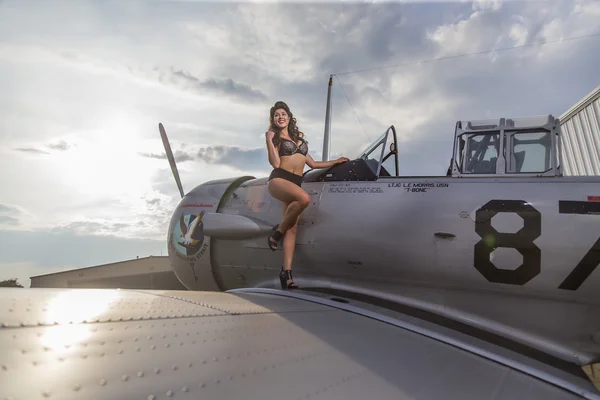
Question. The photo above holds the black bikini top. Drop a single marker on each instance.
(289, 148)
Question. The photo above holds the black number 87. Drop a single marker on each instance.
(522, 241)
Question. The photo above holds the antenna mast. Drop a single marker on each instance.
(326, 136)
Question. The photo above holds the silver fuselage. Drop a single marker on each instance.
(511, 255)
(504, 243)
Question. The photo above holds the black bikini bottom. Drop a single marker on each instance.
(289, 176)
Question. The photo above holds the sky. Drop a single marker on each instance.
(83, 176)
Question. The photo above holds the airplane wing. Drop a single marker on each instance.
(250, 344)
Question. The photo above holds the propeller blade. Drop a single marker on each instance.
(165, 140)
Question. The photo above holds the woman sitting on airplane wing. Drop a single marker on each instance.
(288, 153)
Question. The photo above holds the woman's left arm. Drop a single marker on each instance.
(323, 164)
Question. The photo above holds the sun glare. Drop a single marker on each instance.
(68, 310)
(105, 160)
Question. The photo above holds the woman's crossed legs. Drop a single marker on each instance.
(295, 200)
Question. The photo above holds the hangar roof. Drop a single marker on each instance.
(158, 258)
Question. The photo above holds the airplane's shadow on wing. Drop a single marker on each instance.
(382, 360)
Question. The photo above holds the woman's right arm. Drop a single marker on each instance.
(271, 150)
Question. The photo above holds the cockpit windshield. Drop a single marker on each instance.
(381, 150)
(369, 152)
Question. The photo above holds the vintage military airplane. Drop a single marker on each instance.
(476, 284)
(503, 243)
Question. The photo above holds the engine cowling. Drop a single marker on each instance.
(198, 220)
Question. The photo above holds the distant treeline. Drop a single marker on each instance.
(10, 283)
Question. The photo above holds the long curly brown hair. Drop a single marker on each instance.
(293, 130)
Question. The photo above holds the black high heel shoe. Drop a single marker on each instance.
(284, 276)
(276, 235)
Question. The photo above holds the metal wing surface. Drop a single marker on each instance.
(249, 344)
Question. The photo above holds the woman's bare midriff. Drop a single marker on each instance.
(294, 163)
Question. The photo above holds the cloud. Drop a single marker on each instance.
(180, 156)
(146, 217)
(9, 209)
(425, 99)
(12, 215)
(90, 228)
(8, 220)
(59, 146)
(235, 157)
(482, 5)
(31, 150)
(232, 156)
(224, 86)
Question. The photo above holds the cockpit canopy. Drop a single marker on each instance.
(520, 146)
(524, 146)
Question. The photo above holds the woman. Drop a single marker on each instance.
(288, 153)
